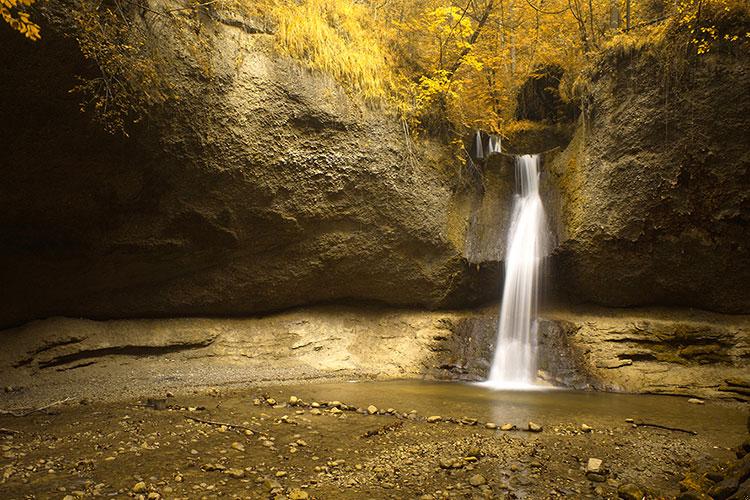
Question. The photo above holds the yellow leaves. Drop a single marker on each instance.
(704, 20)
(21, 21)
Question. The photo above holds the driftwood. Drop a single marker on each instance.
(665, 427)
(219, 424)
(24, 413)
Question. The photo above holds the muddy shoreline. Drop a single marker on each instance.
(320, 441)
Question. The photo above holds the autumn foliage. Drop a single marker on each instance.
(13, 12)
(444, 66)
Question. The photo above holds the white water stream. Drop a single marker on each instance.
(514, 363)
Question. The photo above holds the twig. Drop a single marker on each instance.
(18, 413)
(665, 427)
(225, 424)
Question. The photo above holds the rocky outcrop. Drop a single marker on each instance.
(651, 351)
(57, 356)
(654, 191)
(264, 187)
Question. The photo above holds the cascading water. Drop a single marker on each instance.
(514, 363)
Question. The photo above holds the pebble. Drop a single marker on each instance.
(477, 480)
(280, 473)
(315, 411)
(298, 494)
(507, 427)
(293, 400)
(586, 428)
(153, 496)
(594, 465)
(235, 473)
(372, 409)
(534, 427)
(238, 446)
(139, 487)
(597, 478)
(434, 418)
(490, 425)
(696, 401)
(630, 491)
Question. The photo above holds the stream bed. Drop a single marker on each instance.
(320, 441)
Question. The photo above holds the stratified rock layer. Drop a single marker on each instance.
(653, 351)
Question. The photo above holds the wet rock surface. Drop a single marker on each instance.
(191, 450)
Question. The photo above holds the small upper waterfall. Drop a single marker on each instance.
(514, 363)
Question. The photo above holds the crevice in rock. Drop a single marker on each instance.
(130, 350)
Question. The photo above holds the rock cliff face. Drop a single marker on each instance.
(266, 187)
(654, 191)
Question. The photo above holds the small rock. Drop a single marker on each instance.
(238, 446)
(298, 494)
(293, 400)
(597, 478)
(490, 425)
(153, 496)
(434, 418)
(315, 411)
(594, 465)
(235, 473)
(271, 401)
(477, 480)
(534, 427)
(586, 428)
(630, 491)
(507, 427)
(696, 401)
(372, 409)
(139, 487)
(280, 473)
(629, 420)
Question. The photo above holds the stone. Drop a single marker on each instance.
(490, 425)
(695, 401)
(534, 427)
(298, 494)
(586, 428)
(434, 418)
(597, 478)
(630, 491)
(238, 446)
(315, 411)
(372, 409)
(594, 465)
(153, 496)
(507, 427)
(477, 480)
(139, 487)
(235, 473)
(293, 400)
(280, 473)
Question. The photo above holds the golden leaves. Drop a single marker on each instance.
(20, 20)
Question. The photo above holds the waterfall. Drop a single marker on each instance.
(514, 363)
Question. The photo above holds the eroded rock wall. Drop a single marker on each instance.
(264, 187)
(652, 198)
(662, 351)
